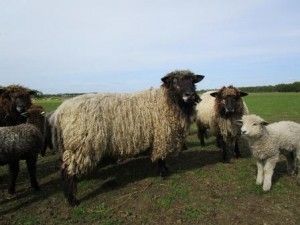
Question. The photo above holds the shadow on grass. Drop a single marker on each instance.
(124, 172)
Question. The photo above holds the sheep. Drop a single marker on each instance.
(14, 100)
(267, 142)
(217, 112)
(89, 127)
(46, 128)
(23, 142)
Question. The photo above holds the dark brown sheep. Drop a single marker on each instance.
(218, 112)
(23, 142)
(14, 100)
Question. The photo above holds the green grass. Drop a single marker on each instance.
(275, 106)
(50, 104)
(200, 190)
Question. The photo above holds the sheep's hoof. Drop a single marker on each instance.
(227, 160)
(74, 202)
(164, 173)
(12, 191)
(238, 155)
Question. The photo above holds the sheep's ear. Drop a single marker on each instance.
(42, 113)
(197, 78)
(214, 94)
(33, 92)
(264, 123)
(2, 90)
(167, 80)
(25, 114)
(239, 122)
(243, 94)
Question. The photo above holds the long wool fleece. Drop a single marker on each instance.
(90, 126)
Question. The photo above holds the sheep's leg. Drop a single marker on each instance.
(201, 135)
(260, 172)
(297, 161)
(31, 166)
(224, 147)
(268, 172)
(237, 149)
(290, 163)
(162, 168)
(219, 140)
(70, 187)
(14, 171)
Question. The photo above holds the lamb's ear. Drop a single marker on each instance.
(243, 94)
(197, 78)
(42, 113)
(264, 123)
(239, 122)
(214, 94)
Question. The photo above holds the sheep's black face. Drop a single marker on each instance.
(229, 100)
(181, 85)
(19, 100)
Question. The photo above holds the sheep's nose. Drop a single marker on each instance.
(243, 132)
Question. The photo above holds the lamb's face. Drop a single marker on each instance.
(252, 126)
(182, 85)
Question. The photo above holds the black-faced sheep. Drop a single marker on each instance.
(23, 142)
(14, 100)
(267, 142)
(217, 112)
(88, 127)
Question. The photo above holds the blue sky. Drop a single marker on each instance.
(60, 46)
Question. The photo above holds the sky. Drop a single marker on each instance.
(65, 46)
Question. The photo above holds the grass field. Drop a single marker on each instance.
(201, 189)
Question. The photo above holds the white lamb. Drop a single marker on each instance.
(267, 142)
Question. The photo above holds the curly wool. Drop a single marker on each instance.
(88, 127)
(267, 141)
(18, 141)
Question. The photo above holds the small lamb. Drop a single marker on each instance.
(267, 142)
(23, 142)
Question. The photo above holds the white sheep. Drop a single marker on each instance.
(267, 142)
(217, 112)
(88, 127)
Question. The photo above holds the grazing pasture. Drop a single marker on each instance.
(200, 190)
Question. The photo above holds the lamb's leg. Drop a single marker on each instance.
(268, 172)
(14, 171)
(290, 163)
(31, 166)
(260, 172)
(162, 168)
(69, 187)
(237, 149)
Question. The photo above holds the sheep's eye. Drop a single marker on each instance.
(255, 124)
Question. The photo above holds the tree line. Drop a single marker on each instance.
(291, 87)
